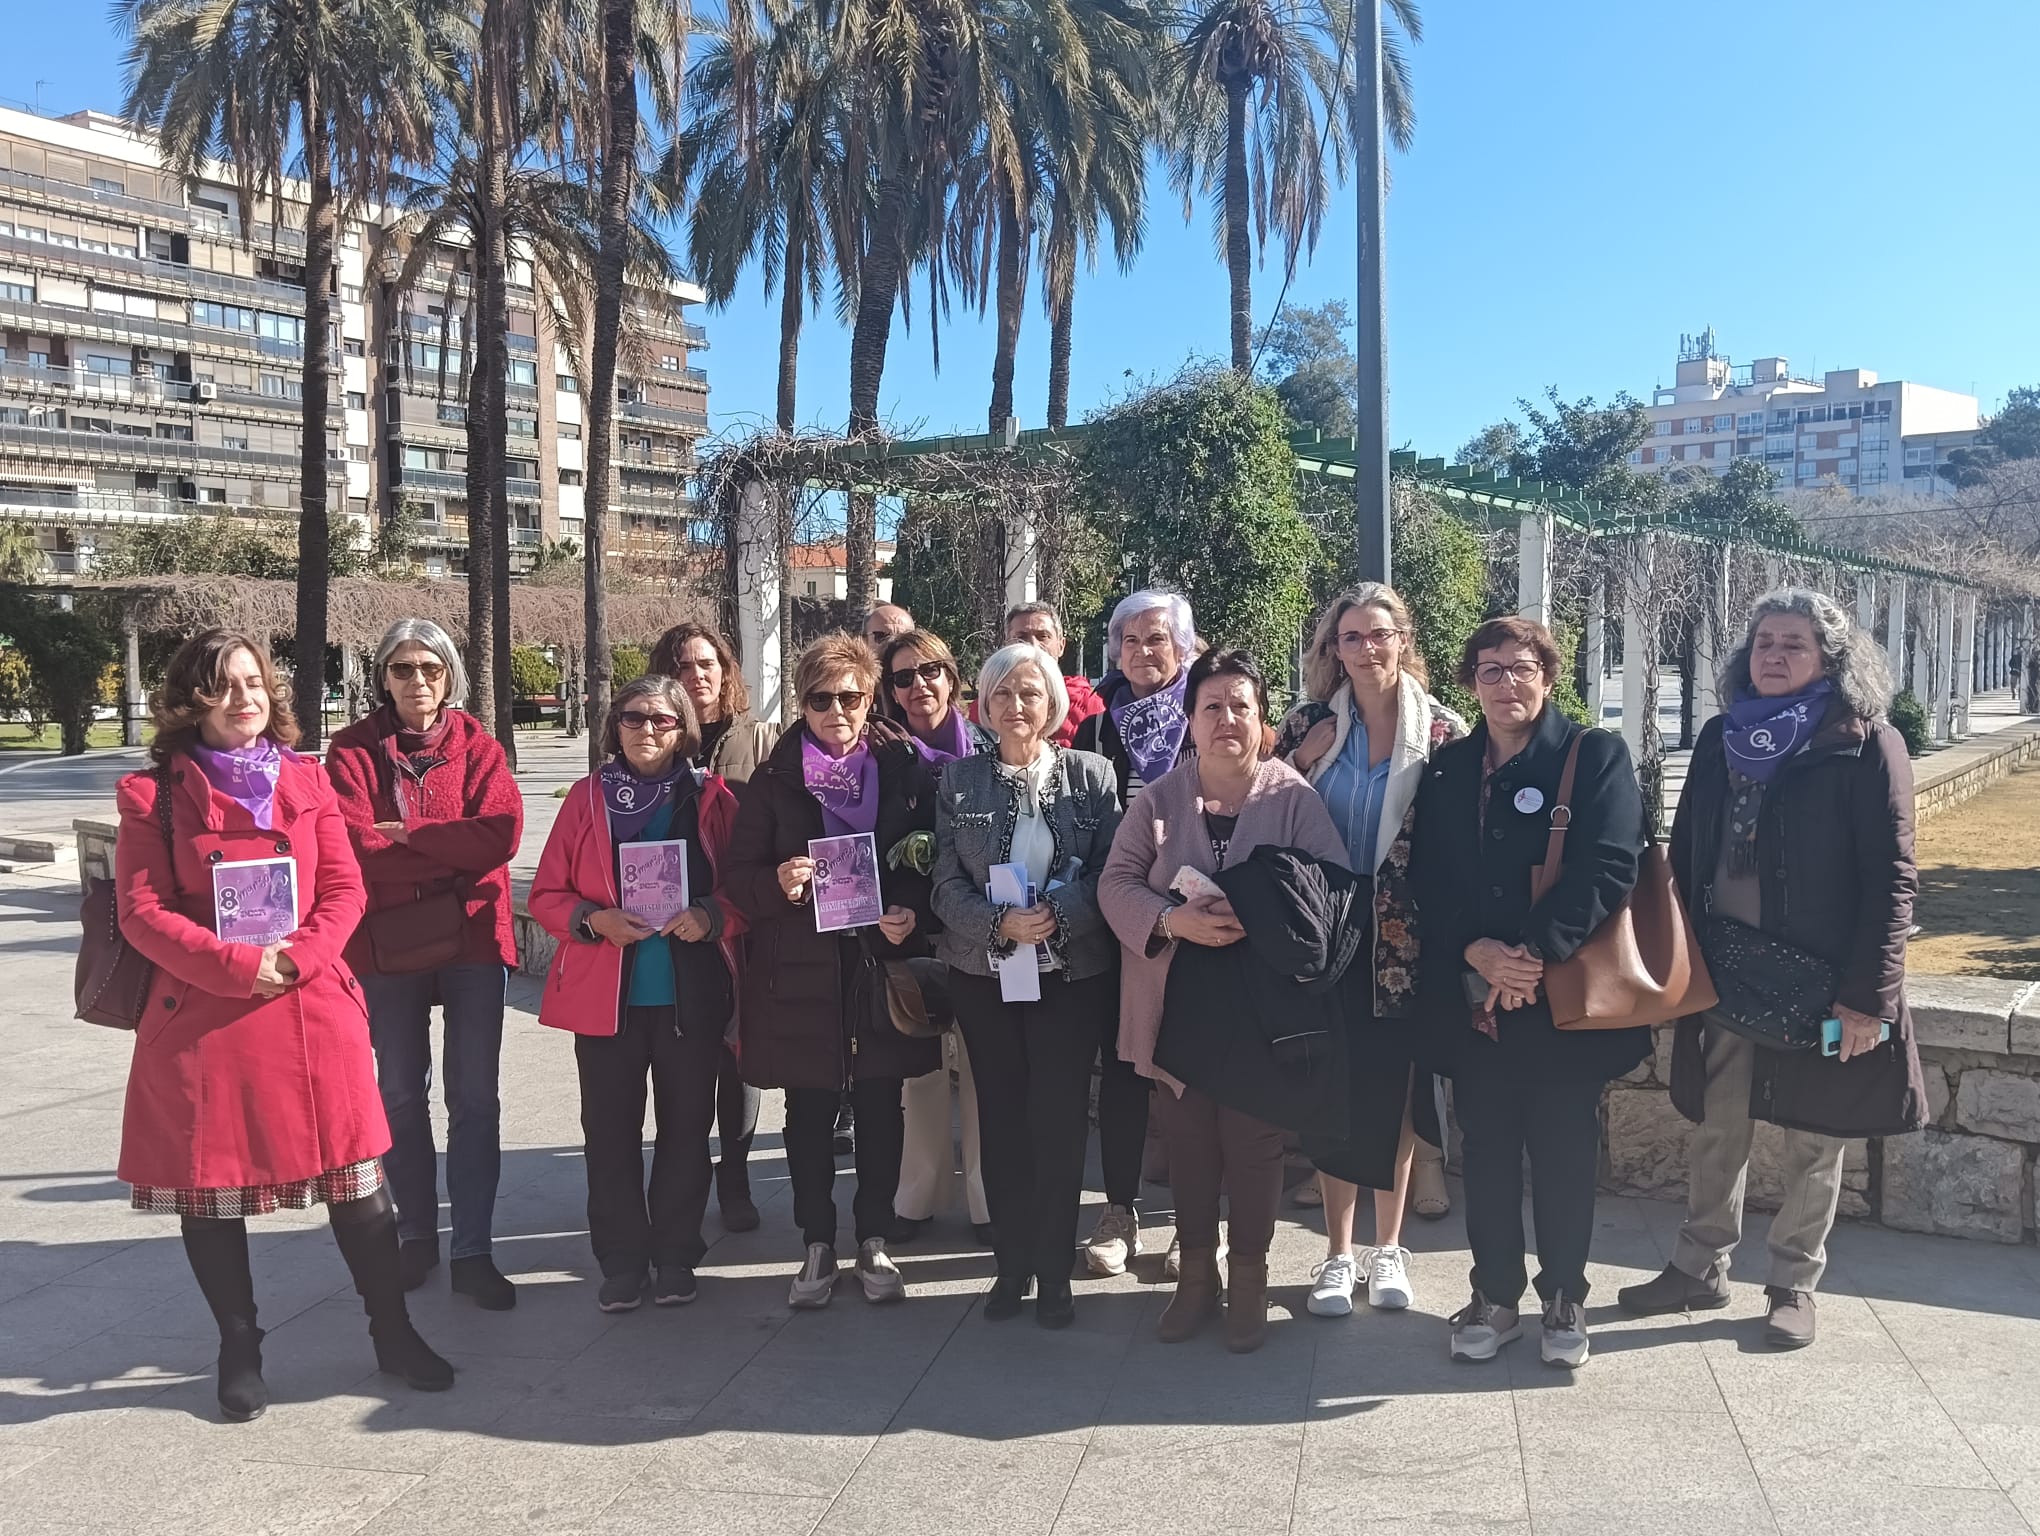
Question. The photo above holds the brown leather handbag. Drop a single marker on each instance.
(1643, 964)
(111, 983)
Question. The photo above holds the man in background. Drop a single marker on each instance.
(1039, 624)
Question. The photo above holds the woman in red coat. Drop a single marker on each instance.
(646, 984)
(253, 1084)
(435, 816)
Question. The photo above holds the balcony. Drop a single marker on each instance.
(72, 507)
(146, 271)
(42, 190)
(36, 442)
(410, 478)
(693, 334)
(443, 531)
(664, 415)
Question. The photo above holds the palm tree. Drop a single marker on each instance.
(1263, 88)
(21, 554)
(763, 158)
(1074, 76)
(349, 82)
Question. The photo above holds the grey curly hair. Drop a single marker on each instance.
(1850, 657)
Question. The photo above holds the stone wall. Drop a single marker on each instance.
(1955, 774)
(1969, 1174)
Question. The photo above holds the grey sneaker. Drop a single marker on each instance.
(1480, 1329)
(1565, 1332)
(1114, 1242)
(877, 1273)
(816, 1282)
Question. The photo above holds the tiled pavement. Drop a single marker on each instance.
(1919, 1410)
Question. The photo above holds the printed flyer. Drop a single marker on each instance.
(846, 882)
(654, 877)
(255, 900)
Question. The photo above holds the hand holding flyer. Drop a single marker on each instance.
(846, 888)
(654, 880)
(255, 900)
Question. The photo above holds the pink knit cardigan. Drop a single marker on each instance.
(1163, 830)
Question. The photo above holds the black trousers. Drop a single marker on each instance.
(736, 1123)
(1560, 1125)
(632, 1228)
(811, 1157)
(1122, 1113)
(1032, 1063)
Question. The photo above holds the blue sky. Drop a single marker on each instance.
(1846, 185)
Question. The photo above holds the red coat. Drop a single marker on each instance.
(1084, 703)
(227, 1089)
(466, 819)
(577, 873)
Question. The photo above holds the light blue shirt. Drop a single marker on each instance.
(1353, 792)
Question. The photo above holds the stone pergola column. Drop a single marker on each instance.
(134, 699)
(1943, 711)
(759, 596)
(1639, 639)
(1894, 629)
(1866, 602)
(1923, 655)
(1774, 573)
(1022, 563)
(1594, 648)
(1965, 673)
(1533, 567)
(1713, 638)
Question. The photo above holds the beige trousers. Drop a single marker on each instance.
(928, 1157)
(1718, 1166)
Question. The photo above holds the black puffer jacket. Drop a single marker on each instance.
(1261, 1025)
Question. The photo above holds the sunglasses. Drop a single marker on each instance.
(927, 672)
(404, 671)
(819, 702)
(638, 720)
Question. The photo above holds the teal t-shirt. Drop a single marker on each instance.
(651, 966)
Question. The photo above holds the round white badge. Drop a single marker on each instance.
(1529, 800)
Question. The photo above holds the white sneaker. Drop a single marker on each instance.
(1114, 1242)
(816, 1282)
(1565, 1332)
(1172, 1261)
(1480, 1329)
(877, 1273)
(1388, 1279)
(1332, 1293)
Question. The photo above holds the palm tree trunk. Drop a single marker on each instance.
(619, 193)
(494, 347)
(314, 517)
(1061, 325)
(1238, 249)
(1012, 280)
(792, 304)
(878, 289)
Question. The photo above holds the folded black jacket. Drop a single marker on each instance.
(1260, 1025)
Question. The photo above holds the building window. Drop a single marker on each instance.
(810, 589)
(669, 363)
(350, 293)
(523, 371)
(238, 443)
(1806, 470)
(225, 317)
(520, 426)
(571, 431)
(416, 456)
(1695, 424)
(174, 432)
(107, 184)
(356, 400)
(17, 293)
(96, 364)
(1724, 423)
(521, 469)
(1662, 428)
(566, 384)
(1636, 455)
(570, 477)
(351, 346)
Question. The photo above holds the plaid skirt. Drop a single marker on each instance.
(336, 1186)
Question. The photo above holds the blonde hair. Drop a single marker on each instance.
(829, 658)
(1323, 673)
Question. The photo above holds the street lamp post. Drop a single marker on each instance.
(1370, 426)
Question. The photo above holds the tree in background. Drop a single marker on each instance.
(1742, 498)
(2014, 433)
(339, 93)
(1585, 447)
(21, 555)
(1493, 447)
(1316, 377)
(1193, 484)
(65, 653)
(1263, 89)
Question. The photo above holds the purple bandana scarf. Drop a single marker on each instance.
(952, 741)
(846, 787)
(1762, 733)
(245, 775)
(1152, 728)
(632, 800)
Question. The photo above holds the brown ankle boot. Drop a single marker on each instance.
(1196, 1300)
(1246, 1304)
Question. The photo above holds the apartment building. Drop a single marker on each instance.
(152, 360)
(1848, 428)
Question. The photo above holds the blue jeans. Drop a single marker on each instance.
(400, 1022)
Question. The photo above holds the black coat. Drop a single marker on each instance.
(1835, 869)
(1261, 1025)
(812, 1011)
(1474, 884)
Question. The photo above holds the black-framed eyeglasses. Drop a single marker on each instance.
(638, 720)
(821, 702)
(927, 672)
(404, 671)
(1488, 673)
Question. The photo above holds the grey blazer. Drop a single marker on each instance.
(974, 816)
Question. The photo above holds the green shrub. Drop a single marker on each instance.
(626, 664)
(1909, 719)
(531, 674)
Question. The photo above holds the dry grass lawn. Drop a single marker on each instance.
(1979, 904)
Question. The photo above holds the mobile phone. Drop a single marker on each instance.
(1831, 1036)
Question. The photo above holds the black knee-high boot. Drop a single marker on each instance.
(218, 1251)
(366, 1231)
